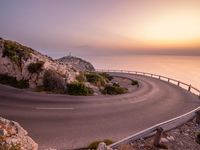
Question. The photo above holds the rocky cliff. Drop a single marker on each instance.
(13, 136)
(27, 64)
(77, 63)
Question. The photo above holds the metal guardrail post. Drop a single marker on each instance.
(168, 80)
(178, 83)
(157, 138)
(189, 88)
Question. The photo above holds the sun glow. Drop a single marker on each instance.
(172, 30)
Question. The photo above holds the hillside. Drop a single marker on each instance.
(28, 65)
(24, 67)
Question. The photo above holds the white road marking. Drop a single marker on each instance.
(54, 108)
(137, 101)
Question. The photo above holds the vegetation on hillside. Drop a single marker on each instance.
(12, 81)
(134, 82)
(114, 90)
(54, 82)
(106, 76)
(16, 52)
(95, 78)
(81, 77)
(79, 88)
(35, 67)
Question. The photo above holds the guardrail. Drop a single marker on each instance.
(183, 85)
(167, 125)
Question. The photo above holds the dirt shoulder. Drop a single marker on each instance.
(181, 138)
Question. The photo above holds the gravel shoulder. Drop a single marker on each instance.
(181, 138)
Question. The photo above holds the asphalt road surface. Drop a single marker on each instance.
(68, 122)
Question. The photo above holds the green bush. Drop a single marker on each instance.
(95, 78)
(134, 82)
(94, 145)
(35, 67)
(106, 76)
(79, 88)
(16, 51)
(114, 90)
(54, 82)
(12, 81)
(81, 77)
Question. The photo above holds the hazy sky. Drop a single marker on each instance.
(103, 27)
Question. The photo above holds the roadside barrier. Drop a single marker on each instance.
(163, 126)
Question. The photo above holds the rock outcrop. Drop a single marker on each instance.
(15, 60)
(13, 136)
(77, 63)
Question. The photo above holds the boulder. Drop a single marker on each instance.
(103, 146)
(14, 135)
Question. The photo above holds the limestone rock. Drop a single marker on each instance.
(103, 146)
(164, 140)
(15, 59)
(16, 135)
(3, 132)
(77, 63)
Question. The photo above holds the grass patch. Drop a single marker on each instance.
(35, 67)
(95, 78)
(78, 88)
(106, 76)
(15, 52)
(94, 145)
(12, 81)
(134, 82)
(81, 77)
(114, 90)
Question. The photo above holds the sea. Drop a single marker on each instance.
(182, 68)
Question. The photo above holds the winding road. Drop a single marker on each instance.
(67, 122)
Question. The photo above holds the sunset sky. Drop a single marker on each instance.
(103, 27)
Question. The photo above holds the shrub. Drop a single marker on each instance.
(54, 82)
(134, 82)
(79, 88)
(106, 76)
(94, 145)
(16, 51)
(35, 67)
(12, 81)
(22, 84)
(81, 77)
(95, 78)
(114, 90)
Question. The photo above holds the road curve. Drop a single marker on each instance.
(68, 122)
